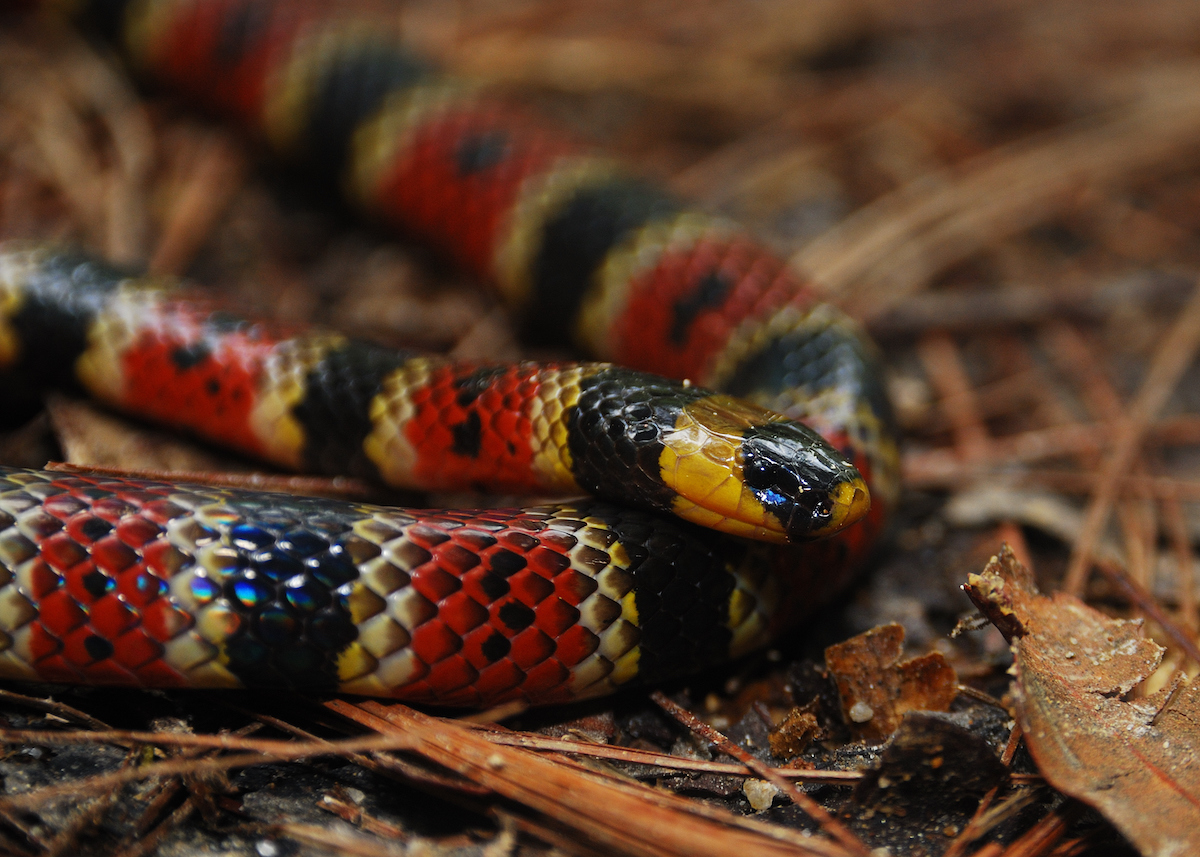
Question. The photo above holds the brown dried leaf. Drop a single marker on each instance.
(877, 688)
(792, 737)
(1133, 760)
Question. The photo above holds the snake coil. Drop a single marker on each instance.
(119, 581)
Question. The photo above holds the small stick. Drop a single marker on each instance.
(942, 363)
(1146, 602)
(1176, 525)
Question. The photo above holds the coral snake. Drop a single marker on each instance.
(106, 580)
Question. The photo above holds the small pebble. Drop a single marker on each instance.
(760, 793)
(860, 712)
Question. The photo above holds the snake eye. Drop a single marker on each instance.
(823, 509)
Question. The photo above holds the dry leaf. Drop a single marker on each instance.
(876, 688)
(1133, 760)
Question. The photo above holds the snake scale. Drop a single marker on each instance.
(120, 581)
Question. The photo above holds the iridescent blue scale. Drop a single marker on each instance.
(203, 589)
(276, 565)
(302, 543)
(249, 537)
(249, 591)
(304, 595)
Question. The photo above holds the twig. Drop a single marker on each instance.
(944, 367)
(58, 709)
(1147, 603)
(1181, 541)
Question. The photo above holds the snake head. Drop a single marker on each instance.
(710, 459)
(763, 476)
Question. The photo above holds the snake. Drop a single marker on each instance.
(694, 543)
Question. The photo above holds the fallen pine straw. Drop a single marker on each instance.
(619, 815)
(625, 817)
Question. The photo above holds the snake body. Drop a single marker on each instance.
(143, 583)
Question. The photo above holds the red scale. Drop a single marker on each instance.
(78, 525)
(558, 540)
(160, 512)
(498, 678)
(474, 540)
(433, 641)
(42, 644)
(434, 583)
(518, 541)
(82, 583)
(530, 588)
(55, 667)
(462, 613)
(575, 644)
(42, 579)
(425, 535)
(451, 674)
(135, 531)
(157, 673)
(138, 587)
(530, 647)
(163, 621)
(473, 645)
(547, 561)
(135, 649)
(108, 672)
(545, 676)
(110, 617)
(62, 552)
(473, 583)
(112, 509)
(163, 559)
(63, 506)
(554, 616)
(60, 613)
(455, 559)
(112, 555)
(573, 587)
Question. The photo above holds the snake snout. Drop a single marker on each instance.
(801, 481)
